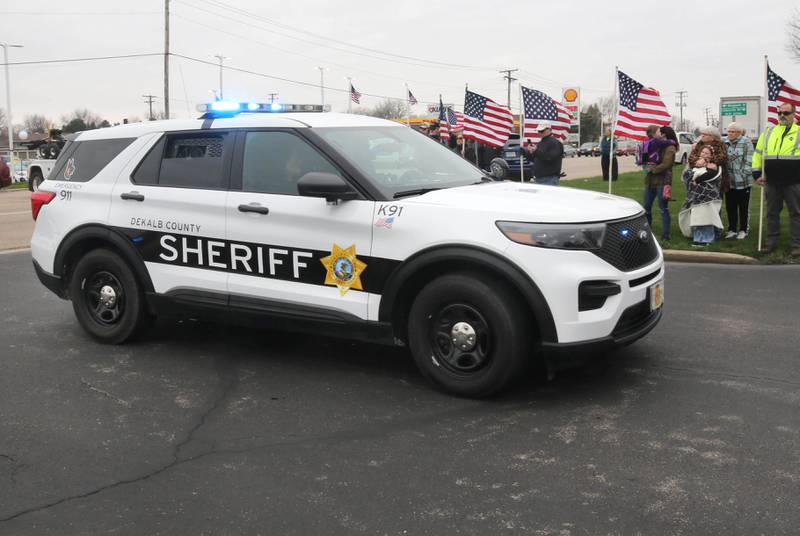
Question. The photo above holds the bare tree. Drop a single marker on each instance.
(793, 42)
(81, 119)
(36, 123)
(606, 106)
(387, 109)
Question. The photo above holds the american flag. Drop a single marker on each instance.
(485, 121)
(639, 107)
(412, 100)
(538, 107)
(779, 92)
(449, 121)
(355, 96)
(444, 124)
(385, 222)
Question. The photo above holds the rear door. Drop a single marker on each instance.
(290, 250)
(172, 206)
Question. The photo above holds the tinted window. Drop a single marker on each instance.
(89, 158)
(275, 161)
(147, 171)
(685, 138)
(195, 160)
(66, 152)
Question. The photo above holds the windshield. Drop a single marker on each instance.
(398, 159)
(587, 145)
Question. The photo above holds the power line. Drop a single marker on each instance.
(317, 60)
(414, 61)
(95, 58)
(59, 13)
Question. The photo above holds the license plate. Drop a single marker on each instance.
(511, 155)
(656, 295)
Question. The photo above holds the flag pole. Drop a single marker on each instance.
(763, 176)
(521, 132)
(349, 95)
(408, 107)
(613, 128)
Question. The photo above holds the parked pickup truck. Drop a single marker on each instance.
(38, 170)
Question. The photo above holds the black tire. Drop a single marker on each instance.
(684, 159)
(501, 328)
(36, 180)
(112, 322)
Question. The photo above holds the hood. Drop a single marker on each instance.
(533, 203)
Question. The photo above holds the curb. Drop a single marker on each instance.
(678, 255)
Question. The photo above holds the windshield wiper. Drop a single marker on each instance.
(417, 191)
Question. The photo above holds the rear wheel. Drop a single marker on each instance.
(470, 335)
(36, 180)
(106, 297)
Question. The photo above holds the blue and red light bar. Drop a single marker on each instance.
(228, 108)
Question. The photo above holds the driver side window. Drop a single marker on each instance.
(274, 161)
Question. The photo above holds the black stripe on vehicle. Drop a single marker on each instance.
(249, 258)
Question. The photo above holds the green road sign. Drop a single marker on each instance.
(733, 108)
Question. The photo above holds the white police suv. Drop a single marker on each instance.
(341, 225)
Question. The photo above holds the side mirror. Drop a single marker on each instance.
(332, 187)
(498, 169)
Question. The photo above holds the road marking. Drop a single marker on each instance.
(15, 213)
(18, 250)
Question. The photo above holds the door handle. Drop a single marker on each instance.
(254, 208)
(132, 196)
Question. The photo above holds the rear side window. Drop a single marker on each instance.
(83, 160)
(195, 160)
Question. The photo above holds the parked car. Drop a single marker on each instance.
(510, 152)
(686, 141)
(570, 151)
(590, 148)
(625, 148)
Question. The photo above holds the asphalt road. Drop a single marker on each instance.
(203, 429)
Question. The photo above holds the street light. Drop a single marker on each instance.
(221, 58)
(9, 124)
(322, 84)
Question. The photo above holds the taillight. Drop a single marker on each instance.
(40, 199)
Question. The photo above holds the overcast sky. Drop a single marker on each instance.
(710, 49)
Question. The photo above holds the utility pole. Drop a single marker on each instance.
(510, 79)
(166, 58)
(272, 97)
(221, 58)
(707, 110)
(322, 85)
(681, 104)
(9, 122)
(149, 101)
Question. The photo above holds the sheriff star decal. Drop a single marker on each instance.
(344, 269)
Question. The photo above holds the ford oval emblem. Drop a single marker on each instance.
(644, 236)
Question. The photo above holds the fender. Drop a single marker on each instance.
(98, 233)
(425, 262)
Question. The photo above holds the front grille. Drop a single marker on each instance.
(624, 249)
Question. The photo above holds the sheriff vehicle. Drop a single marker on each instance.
(340, 225)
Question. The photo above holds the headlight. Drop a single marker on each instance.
(559, 236)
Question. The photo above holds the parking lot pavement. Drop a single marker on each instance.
(16, 223)
(205, 429)
(589, 166)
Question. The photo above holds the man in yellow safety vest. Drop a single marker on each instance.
(777, 154)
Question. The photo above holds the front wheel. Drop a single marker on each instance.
(684, 159)
(470, 335)
(106, 297)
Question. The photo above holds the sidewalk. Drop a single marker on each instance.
(16, 222)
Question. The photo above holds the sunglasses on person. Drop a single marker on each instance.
(785, 114)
